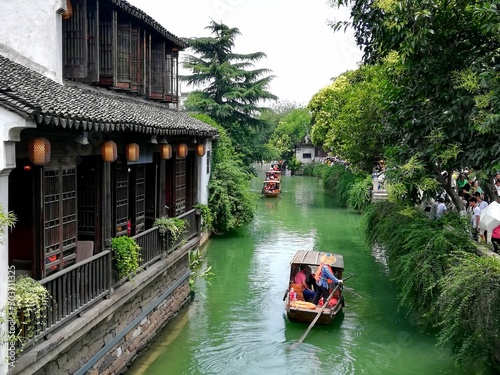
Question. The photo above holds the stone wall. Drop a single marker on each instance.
(106, 338)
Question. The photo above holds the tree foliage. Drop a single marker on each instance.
(349, 115)
(232, 92)
(231, 202)
(292, 129)
(444, 94)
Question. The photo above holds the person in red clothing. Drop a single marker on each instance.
(495, 239)
(301, 278)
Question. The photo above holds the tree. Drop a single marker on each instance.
(444, 99)
(291, 129)
(231, 202)
(349, 115)
(233, 92)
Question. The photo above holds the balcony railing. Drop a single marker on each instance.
(78, 287)
(150, 242)
(75, 289)
(192, 226)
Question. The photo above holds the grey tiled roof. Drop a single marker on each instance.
(49, 103)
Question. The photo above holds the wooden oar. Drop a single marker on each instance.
(320, 312)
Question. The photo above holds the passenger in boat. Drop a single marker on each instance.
(301, 278)
(324, 277)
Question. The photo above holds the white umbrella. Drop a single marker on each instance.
(490, 217)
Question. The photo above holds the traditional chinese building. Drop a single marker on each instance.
(93, 147)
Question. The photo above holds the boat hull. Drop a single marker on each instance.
(271, 195)
(300, 315)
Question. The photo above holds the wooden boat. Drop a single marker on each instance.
(301, 311)
(271, 188)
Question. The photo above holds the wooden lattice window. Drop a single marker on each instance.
(87, 198)
(180, 186)
(93, 42)
(75, 52)
(208, 162)
(168, 75)
(140, 198)
(121, 198)
(123, 55)
(157, 58)
(174, 76)
(59, 216)
(135, 67)
(105, 52)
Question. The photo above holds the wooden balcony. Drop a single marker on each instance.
(73, 290)
(80, 286)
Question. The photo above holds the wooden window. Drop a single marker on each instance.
(106, 53)
(152, 189)
(208, 162)
(157, 59)
(93, 42)
(171, 77)
(121, 197)
(168, 77)
(59, 216)
(180, 186)
(123, 56)
(135, 64)
(75, 57)
(139, 197)
(174, 77)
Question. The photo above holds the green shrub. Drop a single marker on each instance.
(126, 254)
(29, 310)
(469, 310)
(176, 227)
(440, 278)
(359, 195)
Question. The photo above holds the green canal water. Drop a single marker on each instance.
(237, 323)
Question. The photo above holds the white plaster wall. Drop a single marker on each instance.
(306, 150)
(30, 34)
(203, 176)
(10, 128)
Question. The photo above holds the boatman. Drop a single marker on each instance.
(324, 277)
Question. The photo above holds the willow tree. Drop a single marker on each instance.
(232, 89)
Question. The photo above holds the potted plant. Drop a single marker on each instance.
(173, 225)
(126, 254)
(28, 309)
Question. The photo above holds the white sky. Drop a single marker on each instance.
(302, 50)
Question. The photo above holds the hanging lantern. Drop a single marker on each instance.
(108, 151)
(39, 151)
(132, 152)
(200, 149)
(182, 150)
(166, 151)
(68, 12)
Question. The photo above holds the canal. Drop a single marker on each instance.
(237, 325)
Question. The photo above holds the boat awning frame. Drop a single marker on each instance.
(312, 258)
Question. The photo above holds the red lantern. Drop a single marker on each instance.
(108, 151)
(166, 151)
(132, 152)
(182, 150)
(39, 151)
(200, 149)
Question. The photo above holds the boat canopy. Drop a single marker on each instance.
(313, 258)
(272, 181)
